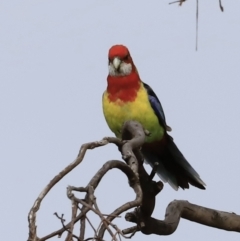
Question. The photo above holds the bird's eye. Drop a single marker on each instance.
(126, 57)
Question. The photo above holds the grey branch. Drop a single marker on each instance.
(133, 181)
(146, 189)
(36, 206)
(135, 129)
(183, 209)
(135, 134)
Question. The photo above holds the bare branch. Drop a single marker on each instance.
(135, 134)
(133, 181)
(94, 182)
(56, 179)
(145, 189)
(179, 1)
(131, 230)
(60, 231)
(197, 14)
(82, 228)
(104, 221)
(220, 5)
(65, 228)
(62, 220)
(192, 212)
(95, 231)
(74, 214)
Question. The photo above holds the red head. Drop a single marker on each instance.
(120, 61)
(123, 79)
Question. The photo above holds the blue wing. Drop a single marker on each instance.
(157, 107)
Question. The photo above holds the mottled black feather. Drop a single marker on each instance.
(173, 167)
(156, 105)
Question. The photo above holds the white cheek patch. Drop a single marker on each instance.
(124, 69)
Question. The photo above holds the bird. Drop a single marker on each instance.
(128, 98)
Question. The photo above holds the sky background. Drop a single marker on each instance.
(53, 60)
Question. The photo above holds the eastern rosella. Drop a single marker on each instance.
(128, 98)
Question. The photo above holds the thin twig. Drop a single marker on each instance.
(66, 229)
(92, 238)
(197, 25)
(179, 1)
(103, 220)
(109, 215)
(33, 211)
(134, 183)
(220, 5)
(62, 220)
(95, 231)
(59, 232)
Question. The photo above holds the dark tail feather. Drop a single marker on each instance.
(172, 165)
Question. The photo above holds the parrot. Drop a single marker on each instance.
(128, 98)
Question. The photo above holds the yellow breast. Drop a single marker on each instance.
(116, 113)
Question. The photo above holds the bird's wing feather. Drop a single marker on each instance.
(157, 107)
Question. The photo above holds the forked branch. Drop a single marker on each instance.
(136, 130)
(145, 189)
(183, 209)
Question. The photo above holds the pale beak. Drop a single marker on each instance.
(116, 63)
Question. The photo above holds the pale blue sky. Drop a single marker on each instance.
(53, 58)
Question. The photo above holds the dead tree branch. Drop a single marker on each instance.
(183, 209)
(127, 153)
(182, 1)
(135, 134)
(197, 15)
(145, 189)
(133, 182)
(33, 211)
